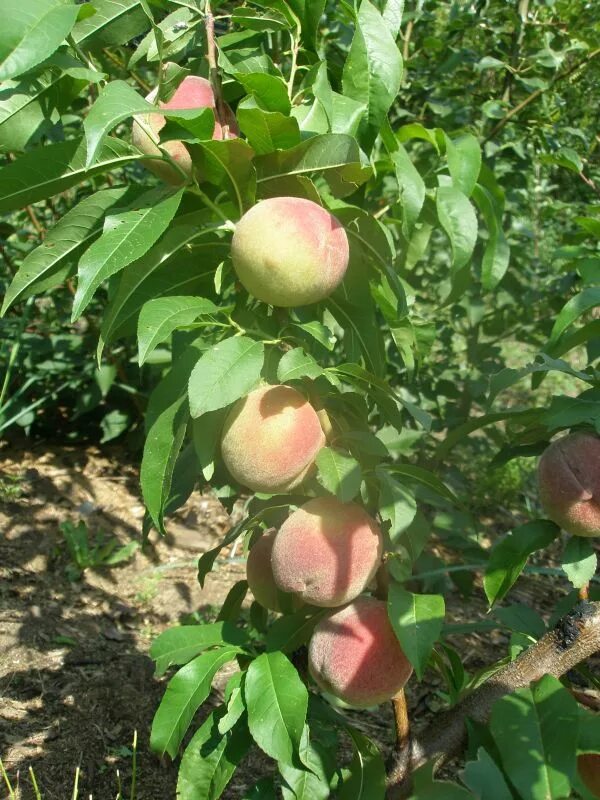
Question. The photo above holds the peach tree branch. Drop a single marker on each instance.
(575, 637)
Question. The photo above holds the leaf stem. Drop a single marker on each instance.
(229, 225)
(295, 47)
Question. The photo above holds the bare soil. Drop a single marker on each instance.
(75, 677)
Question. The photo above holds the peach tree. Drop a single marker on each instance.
(322, 277)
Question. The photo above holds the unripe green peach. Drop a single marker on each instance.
(271, 439)
(288, 251)
(259, 575)
(192, 92)
(354, 654)
(569, 483)
(588, 766)
(327, 552)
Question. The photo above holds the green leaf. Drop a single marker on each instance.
(426, 478)
(127, 235)
(309, 12)
(334, 156)
(115, 22)
(576, 306)
(417, 620)
(182, 643)
(228, 164)
(509, 555)
(496, 255)
(157, 273)
(160, 317)
(266, 131)
(264, 789)
(589, 732)
(373, 69)
(227, 371)
(185, 693)
(412, 189)
(397, 504)
(119, 101)
(50, 263)
(366, 779)
(339, 473)
(291, 631)
(277, 701)
(166, 422)
(297, 364)
(579, 561)
(311, 783)
(31, 31)
(206, 432)
(235, 702)
(210, 759)
(543, 720)
(232, 605)
(457, 218)
(485, 778)
(392, 16)
(53, 168)
(464, 162)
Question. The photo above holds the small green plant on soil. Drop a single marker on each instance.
(92, 551)
(315, 223)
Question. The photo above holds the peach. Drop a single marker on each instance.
(588, 766)
(327, 552)
(569, 483)
(288, 251)
(271, 439)
(192, 92)
(259, 575)
(354, 654)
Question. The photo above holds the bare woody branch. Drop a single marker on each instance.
(575, 638)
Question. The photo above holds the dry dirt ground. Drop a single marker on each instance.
(75, 676)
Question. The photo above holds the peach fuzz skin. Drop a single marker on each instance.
(271, 439)
(288, 251)
(569, 483)
(588, 766)
(192, 92)
(327, 552)
(355, 655)
(259, 575)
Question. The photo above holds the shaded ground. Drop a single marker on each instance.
(75, 678)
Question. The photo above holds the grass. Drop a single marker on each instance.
(14, 792)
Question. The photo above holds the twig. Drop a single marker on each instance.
(405, 48)
(121, 64)
(584, 592)
(538, 92)
(36, 223)
(399, 761)
(575, 638)
(215, 78)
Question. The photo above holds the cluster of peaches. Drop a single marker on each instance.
(289, 251)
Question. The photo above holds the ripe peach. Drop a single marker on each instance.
(271, 439)
(355, 655)
(259, 575)
(288, 251)
(327, 552)
(569, 483)
(588, 766)
(192, 92)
